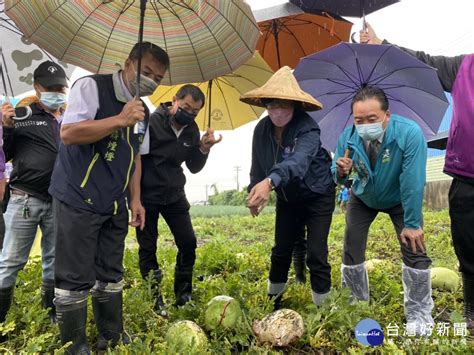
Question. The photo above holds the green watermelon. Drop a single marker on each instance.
(222, 312)
(444, 279)
(372, 264)
(186, 337)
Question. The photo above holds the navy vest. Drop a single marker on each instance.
(95, 177)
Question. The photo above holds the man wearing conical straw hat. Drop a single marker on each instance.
(287, 157)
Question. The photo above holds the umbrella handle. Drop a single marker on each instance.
(353, 40)
(140, 125)
(347, 153)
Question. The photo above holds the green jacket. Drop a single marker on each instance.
(399, 175)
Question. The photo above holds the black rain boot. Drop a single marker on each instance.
(468, 290)
(159, 306)
(72, 320)
(299, 263)
(47, 297)
(108, 315)
(276, 301)
(183, 285)
(6, 298)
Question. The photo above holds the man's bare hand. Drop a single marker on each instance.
(8, 112)
(343, 166)
(132, 112)
(414, 238)
(369, 37)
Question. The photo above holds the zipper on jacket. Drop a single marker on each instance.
(131, 160)
(89, 169)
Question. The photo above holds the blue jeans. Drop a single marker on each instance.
(20, 234)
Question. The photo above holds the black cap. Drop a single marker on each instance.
(50, 74)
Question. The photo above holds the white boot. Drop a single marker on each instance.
(417, 300)
(319, 298)
(356, 278)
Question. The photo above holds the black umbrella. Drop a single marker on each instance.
(352, 8)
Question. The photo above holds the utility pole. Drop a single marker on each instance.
(237, 169)
(207, 194)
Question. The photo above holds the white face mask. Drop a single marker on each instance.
(53, 100)
(371, 131)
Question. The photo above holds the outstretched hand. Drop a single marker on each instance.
(369, 36)
(208, 140)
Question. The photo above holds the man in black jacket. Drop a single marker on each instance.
(173, 138)
(32, 145)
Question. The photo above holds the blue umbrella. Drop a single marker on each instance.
(334, 75)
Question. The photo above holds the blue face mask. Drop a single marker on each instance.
(370, 131)
(53, 100)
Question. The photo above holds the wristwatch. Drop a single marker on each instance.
(272, 187)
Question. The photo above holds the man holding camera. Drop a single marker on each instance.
(32, 144)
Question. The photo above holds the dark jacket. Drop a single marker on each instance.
(33, 146)
(299, 167)
(447, 69)
(163, 178)
(94, 177)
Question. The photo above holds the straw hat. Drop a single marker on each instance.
(282, 85)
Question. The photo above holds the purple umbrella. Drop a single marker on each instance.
(334, 75)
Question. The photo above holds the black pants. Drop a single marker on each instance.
(316, 215)
(178, 219)
(461, 211)
(299, 251)
(359, 217)
(89, 247)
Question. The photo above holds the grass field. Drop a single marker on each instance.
(233, 259)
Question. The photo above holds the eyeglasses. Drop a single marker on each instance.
(270, 104)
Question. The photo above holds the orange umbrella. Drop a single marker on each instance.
(285, 40)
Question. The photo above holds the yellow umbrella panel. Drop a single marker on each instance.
(223, 109)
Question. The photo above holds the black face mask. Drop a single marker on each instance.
(183, 118)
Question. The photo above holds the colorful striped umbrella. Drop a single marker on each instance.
(223, 109)
(19, 58)
(204, 38)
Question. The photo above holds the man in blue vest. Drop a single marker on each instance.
(388, 154)
(97, 162)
